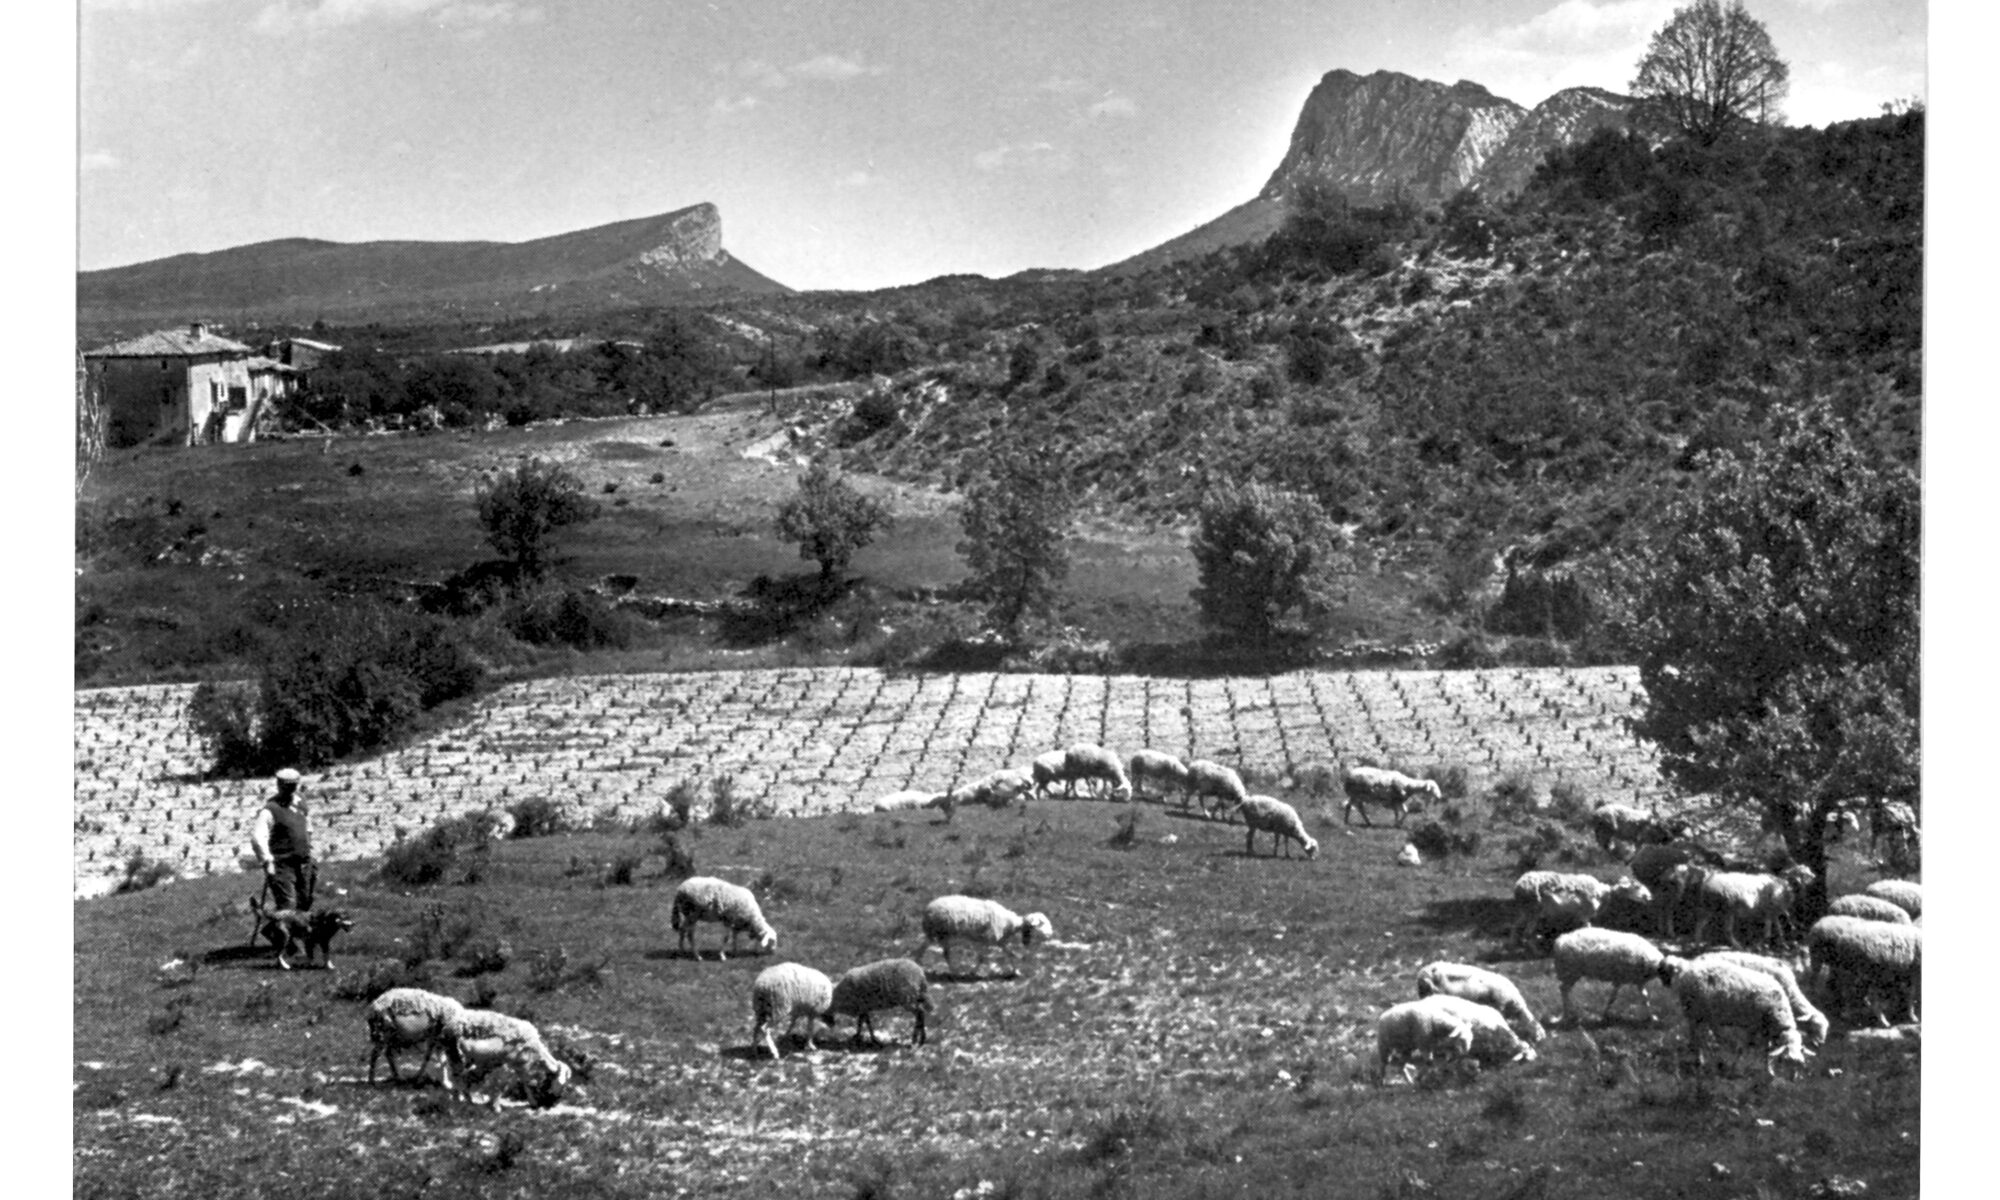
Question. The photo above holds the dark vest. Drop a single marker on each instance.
(289, 837)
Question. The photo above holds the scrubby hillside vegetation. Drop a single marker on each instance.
(1490, 401)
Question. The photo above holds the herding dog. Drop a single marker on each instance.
(288, 927)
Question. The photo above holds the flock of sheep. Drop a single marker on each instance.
(1869, 945)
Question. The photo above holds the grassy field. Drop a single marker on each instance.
(1201, 1026)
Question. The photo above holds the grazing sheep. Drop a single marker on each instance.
(1566, 900)
(884, 984)
(1159, 767)
(787, 992)
(1811, 1021)
(1265, 814)
(1494, 1042)
(705, 898)
(1906, 894)
(1048, 770)
(478, 1040)
(1712, 992)
(1612, 823)
(1481, 986)
(896, 801)
(996, 789)
(1419, 1027)
(1211, 779)
(403, 1017)
(949, 920)
(1863, 959)
(1610, 955)
(1868, 908)
(1085, 761)
(1740, 894)
(1393, 790)
(1672, 871)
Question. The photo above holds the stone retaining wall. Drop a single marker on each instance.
(831, 739)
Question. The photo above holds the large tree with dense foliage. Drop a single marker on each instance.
(1017, 522)
(1710, 71)
(830, 519)
(1260, 554)
(1778, 631)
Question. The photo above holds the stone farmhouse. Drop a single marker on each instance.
(187, 387)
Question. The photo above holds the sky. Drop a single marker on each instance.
(848, 144)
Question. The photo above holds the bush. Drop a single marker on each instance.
(142, 873)
(829, 519)
(432, 855)
(567, 617)
(1542, 604)
(522, 507)
(223, 717)
(539, 816)
(379, 976)
(1262, 552)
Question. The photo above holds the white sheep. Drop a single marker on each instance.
(1566, 900)
(1609, 955)
(1085, 761)
(996, 789)
(1713, 992)
(1266, 814)
(912, 798)
(1494, 1042)
(1811, 1021)
(478, 1040)
(1047, 770)
(1208, 780)
(1157, 767)
(1481, 986)
(889, 983)
(1393, 790)
(1868, 908)
(1419, 1027)
(949, 920)
(1740, 894)
(1906, 894)
(403, 1017)
(705, 898)
(1614, 823)
(1864, 958)
(785, 993)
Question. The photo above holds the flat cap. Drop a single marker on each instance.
(287, 775)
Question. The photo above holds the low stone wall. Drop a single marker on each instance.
(831, 739)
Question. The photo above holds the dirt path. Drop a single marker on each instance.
(823, 740)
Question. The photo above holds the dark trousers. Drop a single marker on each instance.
(291, 882)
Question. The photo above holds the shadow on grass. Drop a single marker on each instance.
(1481, 916)
(225, 956)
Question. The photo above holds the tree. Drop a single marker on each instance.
(1016, 523)
(520, 508)
(830, 520)
(1260, 552)
(1778, 632)
(1709, 71)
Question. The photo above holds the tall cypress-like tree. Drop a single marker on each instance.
(1017, 522)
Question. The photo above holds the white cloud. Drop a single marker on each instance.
(833, 68)
(303, 16)
(97, 160)
(1113, 106)
(855, 179)
(1030, 156)
(1596, 43)
(725, 106)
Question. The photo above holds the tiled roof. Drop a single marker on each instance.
(169, 343)
(258, 362)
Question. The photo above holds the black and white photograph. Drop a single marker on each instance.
(984, 601)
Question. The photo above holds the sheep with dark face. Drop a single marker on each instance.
(889, 983)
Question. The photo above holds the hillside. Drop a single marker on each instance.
(672, 258)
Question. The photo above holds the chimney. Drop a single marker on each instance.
(197, 329)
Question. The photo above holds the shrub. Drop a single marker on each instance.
(568, 617)
(829, 519)
(141, 873)
(679, 859)
(1539, 603)
(623, 866)
(427, 858)
(520, 508)
(379, 976)
(223, 718)
(539, 816)
(1262, 552)
(548, 969)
